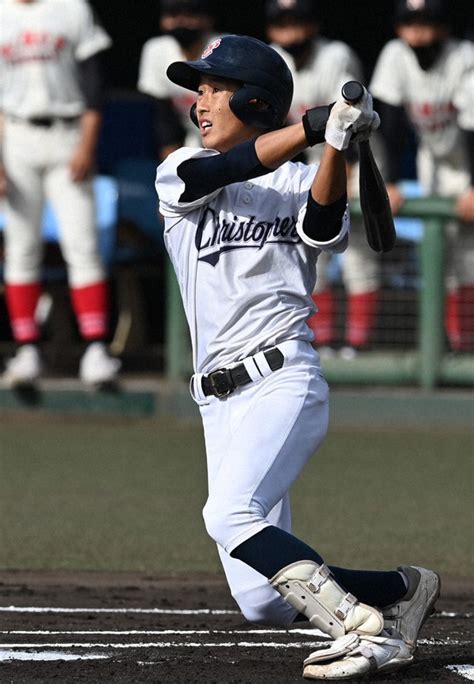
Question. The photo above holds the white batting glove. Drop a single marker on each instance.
(346, 120)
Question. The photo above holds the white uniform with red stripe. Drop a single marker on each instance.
(438, 101)
(41, 43)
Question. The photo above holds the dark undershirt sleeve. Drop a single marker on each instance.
(91, 81)
(393, 127)
(323, 222)
(469, 136)
(204, 175)
(168, 126)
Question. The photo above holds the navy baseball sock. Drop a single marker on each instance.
(272, 549)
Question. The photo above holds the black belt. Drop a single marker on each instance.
(47, 121)
(224, 381)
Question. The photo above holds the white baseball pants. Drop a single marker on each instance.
(257, 442)
(36, 160)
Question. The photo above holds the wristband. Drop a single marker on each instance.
(314, 124)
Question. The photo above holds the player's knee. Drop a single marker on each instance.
(215, 520)
(225, 520)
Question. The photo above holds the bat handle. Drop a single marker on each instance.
(352, 92)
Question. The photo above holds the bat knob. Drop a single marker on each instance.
(352, 91)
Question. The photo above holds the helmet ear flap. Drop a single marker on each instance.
(193, 115)
(254, 106)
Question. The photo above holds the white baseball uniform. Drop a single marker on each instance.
(157, 54)
(439, 101)
(40, 45)
(246, 271)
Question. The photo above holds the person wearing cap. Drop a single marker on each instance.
(186, 27)
(320, 67)
(426, 76)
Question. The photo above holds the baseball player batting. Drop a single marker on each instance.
(50, 99)
(244, 227)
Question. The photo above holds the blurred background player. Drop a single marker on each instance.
(320, 67)
(186, 26)
(50, 99)
(428, 75)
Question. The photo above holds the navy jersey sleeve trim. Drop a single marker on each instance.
(322, 223)
(393, 127)
(91, 81)
(469, 135)
(168, 126)
(204, 175)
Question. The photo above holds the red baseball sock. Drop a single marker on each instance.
(90, 306)
(21, 304)
(452, 319)
(360, 318)
(466, 317)
(322, 323)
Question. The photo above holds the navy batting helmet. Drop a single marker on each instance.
(263, 74)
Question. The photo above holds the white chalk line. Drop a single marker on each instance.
(8, 655)
(189, 633)
(466, 671)
(154, 632)
(161, 611)
(201, 632)
(123, 611)
(172, 644)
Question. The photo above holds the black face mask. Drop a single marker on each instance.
(297, 50)
(428, 54)
(185, 36)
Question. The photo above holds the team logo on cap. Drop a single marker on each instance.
(210, 48)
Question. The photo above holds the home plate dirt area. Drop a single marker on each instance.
(124, 627)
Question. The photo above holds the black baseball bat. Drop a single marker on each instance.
(374, 202)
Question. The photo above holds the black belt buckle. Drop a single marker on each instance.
(221, 383)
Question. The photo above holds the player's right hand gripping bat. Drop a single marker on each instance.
(374, 202)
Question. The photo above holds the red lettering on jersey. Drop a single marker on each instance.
(7, 51)
(432, 116)
(33, 46)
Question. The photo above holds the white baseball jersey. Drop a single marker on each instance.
(157, 55)
(40, 44)
(437, 101)
(241, 248)
(319, 81)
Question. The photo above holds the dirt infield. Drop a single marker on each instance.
(122, 627)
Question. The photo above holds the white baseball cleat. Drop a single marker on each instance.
(97, 367)
(410, 613)
(353, 656)
(24, 368)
